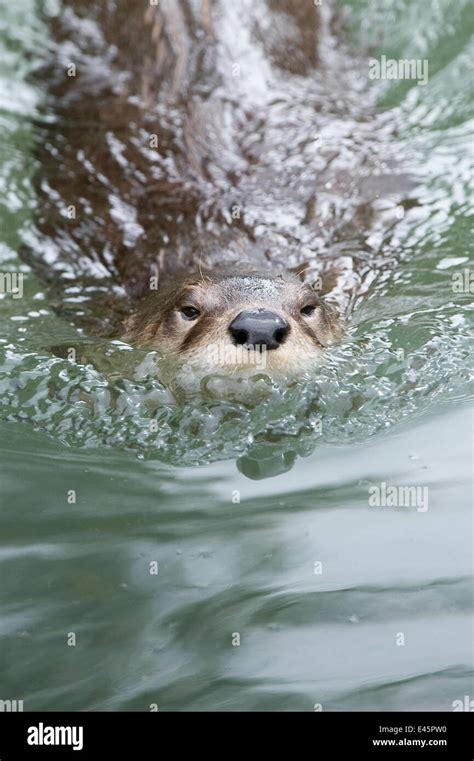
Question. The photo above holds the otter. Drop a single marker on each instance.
(282, 324)
(211, 177)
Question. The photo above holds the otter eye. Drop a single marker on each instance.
(308, 310)
(190, 313)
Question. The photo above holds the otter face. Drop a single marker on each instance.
(236, 324)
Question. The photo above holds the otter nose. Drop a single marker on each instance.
(259, 327)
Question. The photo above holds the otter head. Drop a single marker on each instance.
(235, 323)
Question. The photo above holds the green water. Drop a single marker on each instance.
(257, 517)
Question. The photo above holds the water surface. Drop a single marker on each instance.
(236, 503)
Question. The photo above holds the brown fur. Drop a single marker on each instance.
(166, 70)
(220, 297)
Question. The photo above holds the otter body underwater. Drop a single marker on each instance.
(211, 180)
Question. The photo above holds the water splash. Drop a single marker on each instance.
(408, 347)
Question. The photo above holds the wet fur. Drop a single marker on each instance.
(167, 69)
(220, 297)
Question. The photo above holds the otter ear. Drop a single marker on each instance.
(300, 270)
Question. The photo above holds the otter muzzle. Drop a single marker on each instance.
(259, 327)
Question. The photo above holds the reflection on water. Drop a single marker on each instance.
(236, 550)
(317, 583)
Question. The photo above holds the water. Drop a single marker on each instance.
(282, 486)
